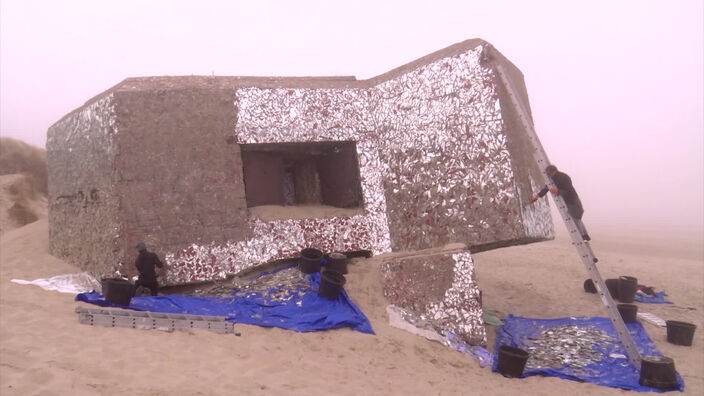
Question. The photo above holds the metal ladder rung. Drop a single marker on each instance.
(152, 320)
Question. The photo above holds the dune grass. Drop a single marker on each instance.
(22, 213)
(16, 157)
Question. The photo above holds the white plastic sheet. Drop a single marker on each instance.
(70, 283)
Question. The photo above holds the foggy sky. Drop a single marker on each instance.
(616, 87)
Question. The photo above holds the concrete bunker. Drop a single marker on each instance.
(223, 174)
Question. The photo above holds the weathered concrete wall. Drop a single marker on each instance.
(84, 205)
(191, 144)
(180, 172)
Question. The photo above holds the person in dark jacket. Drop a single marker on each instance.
(146, 264)
(568, 194)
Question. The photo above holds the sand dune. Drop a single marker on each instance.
(17, 206)
(23, 184)
(45, 351)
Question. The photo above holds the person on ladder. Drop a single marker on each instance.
(568, 193)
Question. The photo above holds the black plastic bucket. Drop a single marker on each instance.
(310, 260)
(629, 312)
(589, 286)
(337, 262)
(117, 290)
(512, 361)
(627, 286)
(658, 372)
(680, 333)
(612, 285)
(331, 284)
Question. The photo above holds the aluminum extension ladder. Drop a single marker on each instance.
(152, 320)
(583, 247)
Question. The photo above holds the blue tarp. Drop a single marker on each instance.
(614, 372)
(480, 353)
(658, 299)
(306, 312)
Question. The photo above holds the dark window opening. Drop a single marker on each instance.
(302, 174)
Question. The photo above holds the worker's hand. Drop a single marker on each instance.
(162, 272)
(555, 191)
(534, 198)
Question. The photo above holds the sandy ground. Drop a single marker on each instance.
(45, 351)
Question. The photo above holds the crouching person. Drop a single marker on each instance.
(147, 262)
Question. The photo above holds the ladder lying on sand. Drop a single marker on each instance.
(585, 251)
(152, 320)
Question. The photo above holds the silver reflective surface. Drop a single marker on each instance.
(574, 347)
(280, 286)
(460, 311)
(433, 293)
(433, 158)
